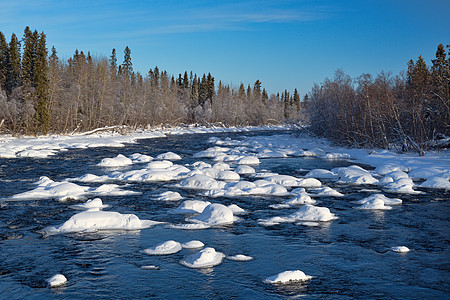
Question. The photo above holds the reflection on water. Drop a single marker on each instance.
(348, 257)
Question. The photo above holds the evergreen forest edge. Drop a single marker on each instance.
(41, 93)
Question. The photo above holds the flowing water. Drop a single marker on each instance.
(348, 257)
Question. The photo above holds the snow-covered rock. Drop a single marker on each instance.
(193, 244)
(305, 213)
(248, 160)
(402, 186)
(386, 200)
(291, 181)
(168, 156)
(57, 280)
(191, 207)
(237, 210)
(321, 174)
(214, 214)
(160, 164)
(400, 249)
(118, 161)
(374, 203)
(100, 220)
(390, 167)
(228, 176)
(326, 192)
(240, 257)
(354, 174)
(165, 248)
(436, 183)
(288, 277)
(92, 204)
(140, 158)
(201, 182)
(244, 170)
(169, 196)
(205, 258)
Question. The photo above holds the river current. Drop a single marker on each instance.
(348, 257)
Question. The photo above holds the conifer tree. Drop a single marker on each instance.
(14, 71)
(113, 62)
(185, 83)
(29, 56)
(264, 96)
(210, 87)
(194, 91)
(297, 100)
(4, 60)
(41, 84)
(127, 66)
(241, 92)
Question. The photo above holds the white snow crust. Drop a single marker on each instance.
(288, 277)
(165, 248)
(205, 258)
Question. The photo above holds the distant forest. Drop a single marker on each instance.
(41, 93)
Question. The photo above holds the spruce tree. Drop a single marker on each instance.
(4, 61)
(113, 62)
(29, 56)
(14, 76)
(127, 66)
(185, 83)
(297, 100)
(41, 84)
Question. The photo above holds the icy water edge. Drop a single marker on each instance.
(348, 257)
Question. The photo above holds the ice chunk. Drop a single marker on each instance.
(193, 244)
(57, 280)
(205, 258)
(214, 214)
(165, 248)
(400, 249)
(189, 226)
(100, 220)
(118, 161)
(312, 213)
(168, 156)
(150, 267)
(288, 277)
(240, 257)
(169, 196)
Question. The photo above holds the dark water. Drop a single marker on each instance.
(349, 257)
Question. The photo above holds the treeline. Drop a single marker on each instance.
(41, 93)
(411, 110)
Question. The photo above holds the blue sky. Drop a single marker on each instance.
(285, 44)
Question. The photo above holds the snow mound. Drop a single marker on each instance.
(354, 174)
(193, 244)
(169, 196)
(49, 189)
(91, 178)
(336, 156)
(214, 214)
(191, 207)
(118, 161)
(321, 174)
(401, 186)
(168, 156)
(300, 199)
(165, 248)
(100, 220)
(437, 183)
(57, 280)
(205, 258)
(248, 160)
(92, 204)
(400, 249)
(240, 257)
(244, 170)
(288, 277)
(211, 152)
(424, 173)
(305, 213)
(140, 158)
(393, 176)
